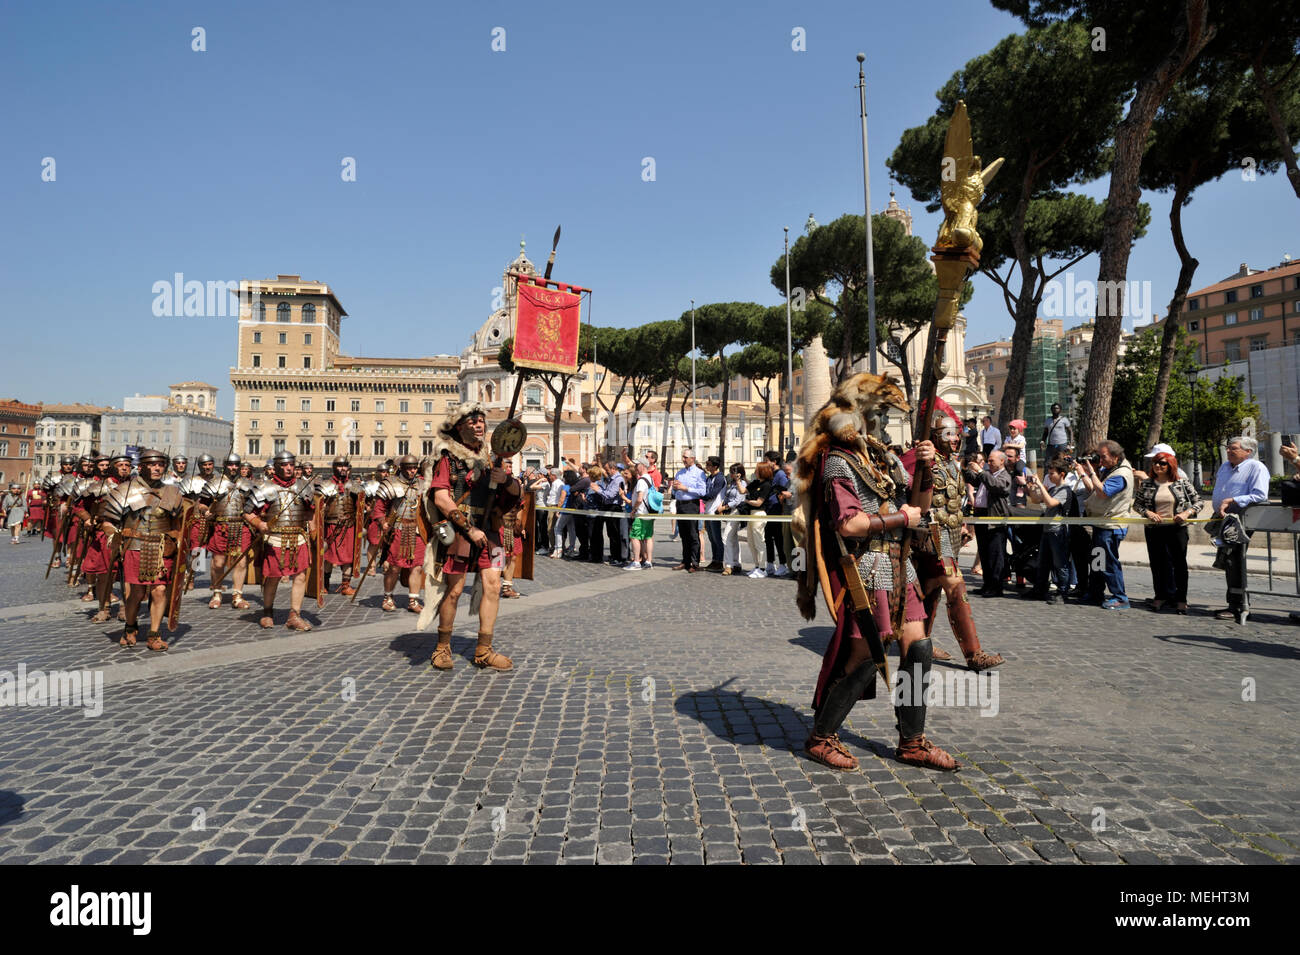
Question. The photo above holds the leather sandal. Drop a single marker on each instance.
(296, 622)
(237, 602)
(508, 591)
(981, 660)
(921, 752)
(215, 602)
(941, 654)
(88, 597)
(155, 642)
(100, 617)
(486, 658)
(414, 605)
(128, 636)
(267, 622)
(442, 659)
(388, 603)
(346, 589)
(829, 751)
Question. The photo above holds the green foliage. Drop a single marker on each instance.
(1220, 405)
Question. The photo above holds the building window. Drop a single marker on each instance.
(167, 438)
(329, 425)
(403, 447)
(402, 427)
(379, 406)
(306, 361)
(257, 338)
(1256, 314)
(379, 446)
(428, 427)
(252, 424)
(329, 447)
(282, 312)
(254, 404)
(404, 407)
(1229, 296)
(279, 424)
(306, 425)
(277, 445)
(306, 339)
(329, 404)
(306, 404)
(533, 396)
(282, 361)
(309, 316)
(379, 426)
(428, 405)
(354, 446)
(1230, 318)
(426, 448)
(254, 445)
(1194, 326)
(990, 366)
(257, 361)
(1258, 344)
(304, 445)
(356, 405)
(4, 449)
(1193, 304)
(1257, 291)
(279, 404)
(259, 312)
(1232, 350)
(284, 338)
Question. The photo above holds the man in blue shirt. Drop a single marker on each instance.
(689, 487)
(607, 492)
(1242, 480)
(990, 437)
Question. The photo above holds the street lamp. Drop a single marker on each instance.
(1193, 373)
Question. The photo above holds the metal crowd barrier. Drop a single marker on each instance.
(1271, 519)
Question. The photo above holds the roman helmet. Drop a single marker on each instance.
(282, 457)
(232, 458)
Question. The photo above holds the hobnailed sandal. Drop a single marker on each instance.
(128, 636)
(237, 601)
(414, 605)
(100, 617)
(156, 642)
(508, 591)
(88, 597)
(829, 751)
(296, 622)
(442, 659)
(388, 603)
(486, 658)
(941, 654)
(346, 589)
(921, 752)
(981, 660)
(267, 622)
(215, 602)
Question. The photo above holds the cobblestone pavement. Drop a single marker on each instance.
(652, 717)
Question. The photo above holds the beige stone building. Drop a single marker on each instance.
(66, 429)
(296, 390)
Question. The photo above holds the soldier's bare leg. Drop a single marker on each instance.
(219, 561)
(238, 577)
(157, 606)
(269, 587)
(299, 590)
(416, 586)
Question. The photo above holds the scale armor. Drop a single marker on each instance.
(289, 513)
(945, 509)
(875, 567)
(150, 513)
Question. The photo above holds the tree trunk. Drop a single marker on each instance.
(1121, 217)
(1169, 336)
(1268, 94)
(1022, 342)
(663, 433)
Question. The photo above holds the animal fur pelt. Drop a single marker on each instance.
(849, 419)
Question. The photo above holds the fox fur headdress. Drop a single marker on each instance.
(850, 418)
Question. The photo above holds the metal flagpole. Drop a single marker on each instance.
(789, 347)
(866, 195)
(694, 413)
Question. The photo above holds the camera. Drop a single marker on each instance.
(1088, 459)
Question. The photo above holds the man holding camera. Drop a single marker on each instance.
(1109, 481)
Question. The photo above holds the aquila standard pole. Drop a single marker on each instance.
(789, 346)
(866, 198)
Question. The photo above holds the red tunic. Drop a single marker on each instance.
(284, 561)
(488, 557)
(131, 569)
(219, 542)
(402, 553)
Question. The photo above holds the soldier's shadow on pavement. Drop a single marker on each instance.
(816, 639)
(418, 647)
(11, 807)
(1276, 651)
(747, 720)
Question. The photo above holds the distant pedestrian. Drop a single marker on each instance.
(1170, 501)
(13, 504)
(1058, 434)
(990, 437)
(1242, 480)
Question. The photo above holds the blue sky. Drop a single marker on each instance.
(226, 164)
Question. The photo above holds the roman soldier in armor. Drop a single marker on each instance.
(374, 529)
(102, 469)
(308, 471)
(246, 471)
(97, 564)
(57, 488)
(148, 514)
(851, 522)
(230, 537)
(70, 493)
(397, 509)
(464, 486)
(281, 511)
(36, 501)
(344, 503)
(82, 504)
(180, 464)
(194, 488)
(942, 534)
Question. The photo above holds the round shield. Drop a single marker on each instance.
(508, 437)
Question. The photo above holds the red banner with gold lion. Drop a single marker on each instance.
(547, 322)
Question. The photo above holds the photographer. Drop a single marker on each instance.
(994, 487)
(1054, 551)
(1109, 482)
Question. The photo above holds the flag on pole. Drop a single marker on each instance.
(547, 321)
